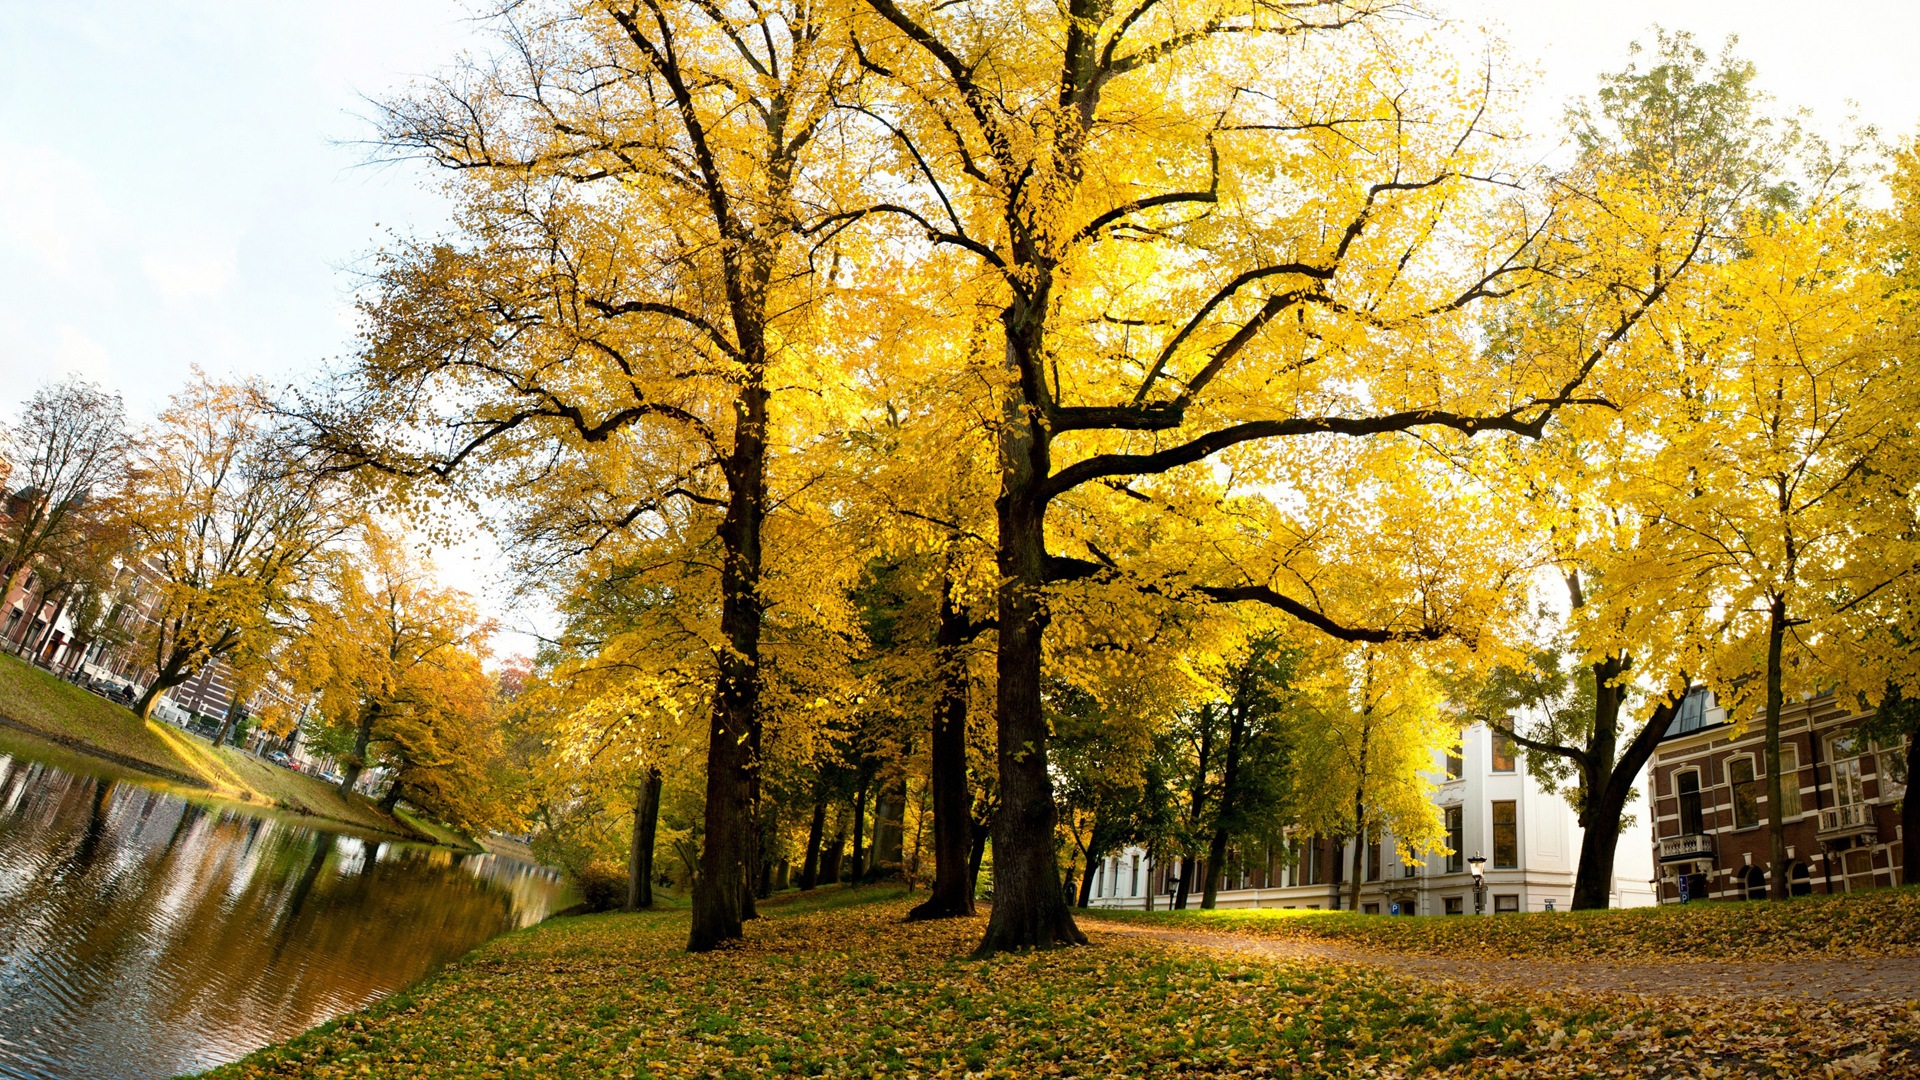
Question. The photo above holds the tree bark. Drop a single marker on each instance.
(1778, 888)
(1360, 816)
(646, 824)
(1196, 805)
(720, 890)
(982, 832)
(769, 828)
(172, 674)
(810, 866)
(350, 771)
(1910, 816)
(889, 824)
(1229, 790)
(952, 893)
(1607, 793)
(1029, 906)
(392, 798)
(830, 862)
(858, 869)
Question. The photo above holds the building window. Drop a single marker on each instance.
(1456, 764)
(1848, 788)
(1133, 883)
(1508, 904)
(1753, 883)
(1693, 712)
(1456, 840)
(1456, 905)
(1746, 792)
(1316, 872)
(1370, 909)
(1099, 882)
(1373, 860)
(1504, 754)
(1506, 834)
(1688, 784)
(1890, 765)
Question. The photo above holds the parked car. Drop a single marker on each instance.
(279, 758)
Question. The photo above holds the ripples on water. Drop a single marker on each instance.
(144, 936)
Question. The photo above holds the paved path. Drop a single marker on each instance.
(1867, 979)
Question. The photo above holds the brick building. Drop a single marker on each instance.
(1840, 794)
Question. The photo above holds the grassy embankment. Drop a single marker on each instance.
(34, 701)
(1884, 922)
(835, 984)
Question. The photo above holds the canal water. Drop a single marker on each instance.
(143, 935)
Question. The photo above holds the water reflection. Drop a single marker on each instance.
(142, 935)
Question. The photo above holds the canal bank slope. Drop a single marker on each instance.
(43, 707)
(836, 983)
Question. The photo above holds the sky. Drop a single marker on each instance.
(185, 183)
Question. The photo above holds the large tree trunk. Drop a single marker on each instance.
(172, 674)
(351, 769)
(1229, 795)
(646, 825)
(1086, 878)
(1029, 906)
(391, 799)
(1910, 816)
(1608, 788)
(1777, 884)
(1216, 859)
(889, 824)
(764, 836)
(720, 889)
(952, 893)
(1196, 806)
(859, 867)
(816, 828)
(830, 862)
(1360, 817)
(981, 831)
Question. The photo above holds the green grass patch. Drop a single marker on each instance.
(849, 989)
(1879, 922)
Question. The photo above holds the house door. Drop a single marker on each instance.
(1857, 866)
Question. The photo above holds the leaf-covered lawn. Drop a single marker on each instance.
(1883, 922)
(853, 991)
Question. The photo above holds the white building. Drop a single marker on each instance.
(1491, 806)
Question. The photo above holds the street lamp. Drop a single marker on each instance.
(1478, 864)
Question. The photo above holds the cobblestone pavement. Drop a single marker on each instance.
(1864, 979)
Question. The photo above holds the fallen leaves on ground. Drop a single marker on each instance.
(853, 991)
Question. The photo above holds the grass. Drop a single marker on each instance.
(1883, 922)
(834, 983)
(86, 723)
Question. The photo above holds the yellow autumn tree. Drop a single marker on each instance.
(1764, 506)
(393, 663)
(231, 520)
(623, 326)
(1204, 227)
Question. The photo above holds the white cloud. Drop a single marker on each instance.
(186, 274)
(74, 353)
(51, 210)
